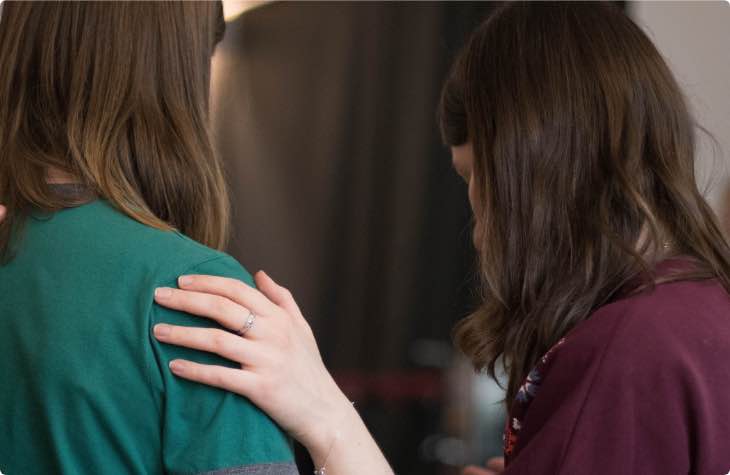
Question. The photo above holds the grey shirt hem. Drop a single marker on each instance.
(258, 469)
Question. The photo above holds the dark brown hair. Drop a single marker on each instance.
(584, 168)
(116, 95)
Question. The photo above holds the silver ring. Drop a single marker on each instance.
(247, 326)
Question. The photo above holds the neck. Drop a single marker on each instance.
(58, 177)
(664, 247)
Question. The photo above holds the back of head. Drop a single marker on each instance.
(114, 94)
(584, 166)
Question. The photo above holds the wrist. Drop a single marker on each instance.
(338, 417)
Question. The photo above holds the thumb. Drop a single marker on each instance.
(3, 212)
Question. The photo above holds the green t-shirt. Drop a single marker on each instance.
(84, 386)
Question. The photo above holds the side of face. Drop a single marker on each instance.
(462, 157)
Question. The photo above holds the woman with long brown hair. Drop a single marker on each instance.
(605, 274)
(112, 188)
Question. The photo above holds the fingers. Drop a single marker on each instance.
(212, 340)
(496, 464)
(231, 379)
(276, 293)
(227, 313)
(474, 470)
(232, 289)
(3, 212)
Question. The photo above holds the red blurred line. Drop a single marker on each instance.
(392, 386)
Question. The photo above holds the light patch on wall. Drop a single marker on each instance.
(232, 9)
(693, 38)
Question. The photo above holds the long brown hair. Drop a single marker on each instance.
(584, 166)
(116, 95)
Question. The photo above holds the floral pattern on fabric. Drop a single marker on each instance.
(523, 398)
(529, 388)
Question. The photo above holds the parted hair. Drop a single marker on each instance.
(584, 166)
(114, 94)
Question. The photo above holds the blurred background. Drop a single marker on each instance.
(324, 114)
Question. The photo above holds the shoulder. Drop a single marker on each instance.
(671, 336)
(634, 371)
(160, 255)
(666, 323)
(671, 339)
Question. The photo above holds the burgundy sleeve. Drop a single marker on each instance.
(611, 403)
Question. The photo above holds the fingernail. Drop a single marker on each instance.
(184, 280)
(177, 367)
(161, 330)
(163, 293)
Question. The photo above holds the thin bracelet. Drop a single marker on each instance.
(323, 469)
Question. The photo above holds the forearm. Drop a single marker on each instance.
(350, 450)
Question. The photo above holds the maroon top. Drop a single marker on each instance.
(641, 387)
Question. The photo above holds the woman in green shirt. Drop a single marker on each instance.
(112, 189)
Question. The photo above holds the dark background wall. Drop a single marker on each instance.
(326, 118)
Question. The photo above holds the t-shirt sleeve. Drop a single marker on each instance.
(204, 429)
(609, 404)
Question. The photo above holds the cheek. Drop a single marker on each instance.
(473, 200)
(476, 210)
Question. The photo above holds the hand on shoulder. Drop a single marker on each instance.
(279, 367)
